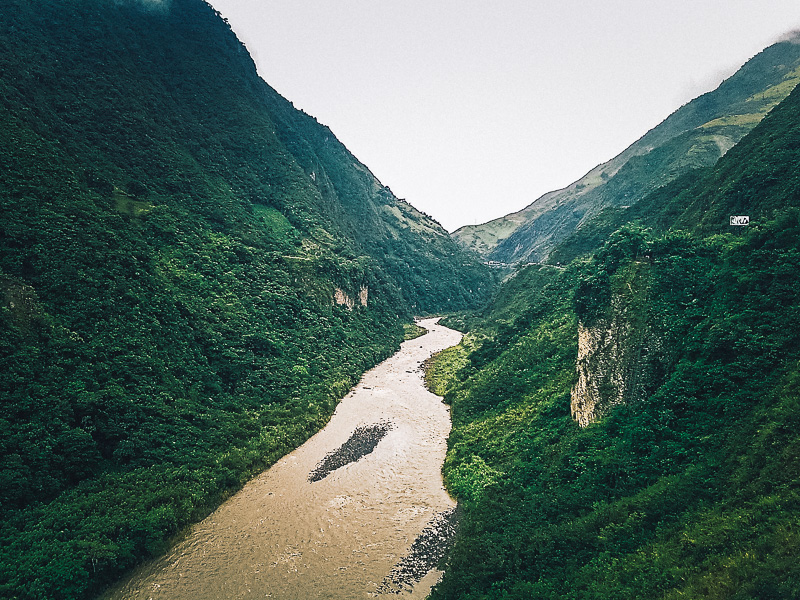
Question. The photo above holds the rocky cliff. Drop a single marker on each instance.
(612, 350)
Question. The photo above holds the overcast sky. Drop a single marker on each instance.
(473, 109)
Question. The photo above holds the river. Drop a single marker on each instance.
(314, 527)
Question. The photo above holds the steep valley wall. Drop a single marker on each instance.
(614, 351)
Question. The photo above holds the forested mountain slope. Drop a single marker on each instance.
(694, 136)
(191, 273)
(626, 426)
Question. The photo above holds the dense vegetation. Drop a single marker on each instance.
(191, 273)
(690, 488)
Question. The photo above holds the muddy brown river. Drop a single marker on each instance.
(319, 523)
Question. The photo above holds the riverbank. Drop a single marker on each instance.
(342, 534)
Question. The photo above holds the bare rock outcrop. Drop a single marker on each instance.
(341, 298)
(603, 353)
(618, 353)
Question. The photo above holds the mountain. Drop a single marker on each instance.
(625, 424)
(694, 136)
(192, 272)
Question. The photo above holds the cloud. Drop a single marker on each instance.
(697, 86)
(792, 36)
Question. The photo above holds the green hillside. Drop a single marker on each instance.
(693, 137)
(703, 200)
(664, 463)
(192, 272)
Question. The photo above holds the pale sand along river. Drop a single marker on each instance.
(355, 530)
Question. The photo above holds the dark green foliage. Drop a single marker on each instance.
(628, 243)
(757, 179)
(690, 491)
(172, 237)
(592, 295)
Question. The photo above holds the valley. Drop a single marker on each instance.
(211, 385)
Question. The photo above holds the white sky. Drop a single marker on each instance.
(472, 109)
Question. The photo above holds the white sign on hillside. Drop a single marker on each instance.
(740, 220)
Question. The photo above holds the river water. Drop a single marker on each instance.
(339, 536)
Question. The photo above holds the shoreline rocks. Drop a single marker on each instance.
(426, 553)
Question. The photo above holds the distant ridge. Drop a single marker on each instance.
(694, 136)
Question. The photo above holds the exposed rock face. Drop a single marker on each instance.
(341, 298)
(618, 354)
(603, 350)
(20, 299)
(585, 394)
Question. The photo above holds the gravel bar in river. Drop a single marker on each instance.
(361, 443)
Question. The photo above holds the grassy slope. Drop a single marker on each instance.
(691, 490)
(703, 200)
(693, 137)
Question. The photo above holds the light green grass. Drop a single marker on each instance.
(412, 331)
(128, 206)
(277, 224)
(441, 368)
